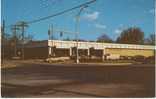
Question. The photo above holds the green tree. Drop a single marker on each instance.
(132, 35)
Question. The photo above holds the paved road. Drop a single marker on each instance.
(43, 80)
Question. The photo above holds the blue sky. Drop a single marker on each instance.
(102, 17)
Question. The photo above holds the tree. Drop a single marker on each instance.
(5, 37)
(104, 38)
(132, 35)
(150, 40)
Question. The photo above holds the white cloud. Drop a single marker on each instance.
(118, 31)
(120, 28)
(101, 26)
(151, 11)
(91, 16)
(121, 25)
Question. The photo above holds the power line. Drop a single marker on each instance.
(57, 14)
(62, 12)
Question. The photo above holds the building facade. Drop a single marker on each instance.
(58, 48)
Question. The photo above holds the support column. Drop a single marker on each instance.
(49, 54)
(70, 51)
(103, 55)
(53, 51)
(88, 52)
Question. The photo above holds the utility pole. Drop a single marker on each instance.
(77, 32)
(49, 34)
(14, 29)
(49, 40)
(52, 37)
(3, 40)
(52, 32)
(77, 28)
(23, 25)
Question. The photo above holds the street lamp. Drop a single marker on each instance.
(77, 30)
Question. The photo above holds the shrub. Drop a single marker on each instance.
(139, 58)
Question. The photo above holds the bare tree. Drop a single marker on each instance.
(150, 40)
(132, 35)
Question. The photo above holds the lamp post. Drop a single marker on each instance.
(77, 31)
(51, 47)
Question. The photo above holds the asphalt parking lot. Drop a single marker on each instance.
(78, 80)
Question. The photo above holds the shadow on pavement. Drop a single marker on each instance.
(77, 74)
